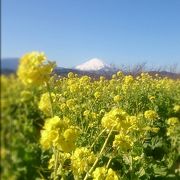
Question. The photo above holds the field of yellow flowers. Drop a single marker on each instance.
(81, 128)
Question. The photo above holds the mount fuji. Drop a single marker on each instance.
(94, 64)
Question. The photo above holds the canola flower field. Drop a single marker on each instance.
(81, 128)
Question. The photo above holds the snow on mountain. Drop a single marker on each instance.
(94, 64)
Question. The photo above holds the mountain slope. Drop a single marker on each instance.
(9, 63)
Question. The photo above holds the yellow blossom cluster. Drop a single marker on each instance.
(117, 98)
(57, 133)
(115, 118)
(173, 123)
(151, 129)
(33, 68)
(104, 173)
(45, 104)
(176, 108)
(82, 159)
(124, 142)
(119, 120)
(151, 115)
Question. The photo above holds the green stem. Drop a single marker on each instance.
(98, 137)
(108, 162)
(56, 163)
(51, 100)
(56, 153)
(97, 159)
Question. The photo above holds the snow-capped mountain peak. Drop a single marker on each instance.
(94, 64)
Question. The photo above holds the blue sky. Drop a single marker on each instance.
(73, 31)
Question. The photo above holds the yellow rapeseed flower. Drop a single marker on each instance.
(115, 118)
(70, 103)
(56, 133)
(70, 75)
(150, 114)
(101, 78)
(117, 98)
(97, 95)
(120, 74)
(128, 79)
(151, 98)
(114, 76)
(173, 121)
(50, 131)
(81, 160)
(104, 173)
(45, 103)
(176, 108)
(151, 129)
(123, 142)
(86, 113)
(47, 138)
(66, 140)
(33, 68)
